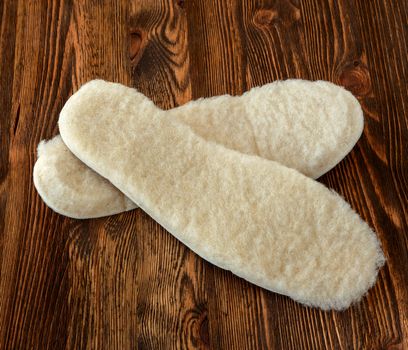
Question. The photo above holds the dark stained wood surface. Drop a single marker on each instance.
(123, 282)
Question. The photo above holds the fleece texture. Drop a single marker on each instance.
(309, 126)
(263, 221)
(71, 188)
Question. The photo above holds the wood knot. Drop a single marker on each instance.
(283, 13)
(196, 327)
(355, 77)
(265, 17)
(135, 44)
(181, 3)
(203, 328)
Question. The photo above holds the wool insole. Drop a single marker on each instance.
(309, 126)
(263, 221)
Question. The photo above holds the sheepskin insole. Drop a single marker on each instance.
(309, 126)
(263, 221)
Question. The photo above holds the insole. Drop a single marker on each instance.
(263, 221)
(309, 126)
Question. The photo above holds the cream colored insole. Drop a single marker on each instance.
(263, 221)
(309, 126)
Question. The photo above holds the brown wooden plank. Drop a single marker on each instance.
(123, 281)
(33, 283)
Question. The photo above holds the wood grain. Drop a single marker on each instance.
(123, 282)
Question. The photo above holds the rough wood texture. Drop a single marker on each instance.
(123, 282)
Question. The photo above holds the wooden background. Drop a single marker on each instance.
(123, 282)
